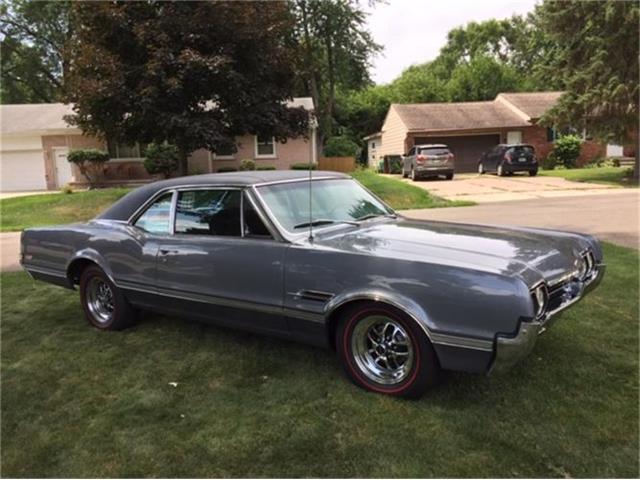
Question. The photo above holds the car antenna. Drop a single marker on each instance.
(310, 200)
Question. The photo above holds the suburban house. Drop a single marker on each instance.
(472, 128)
(35, 140)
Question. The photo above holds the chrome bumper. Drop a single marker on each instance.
(510, 349)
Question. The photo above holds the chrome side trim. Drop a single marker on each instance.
(231, 303)
(45, 271)
(294, 180)
(315, 295)
(462, 342)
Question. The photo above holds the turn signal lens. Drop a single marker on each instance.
(540, 297)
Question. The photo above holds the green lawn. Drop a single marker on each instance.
(401, 195)
(81, 403)
(36, 210)
(610, 175)
(56, 208)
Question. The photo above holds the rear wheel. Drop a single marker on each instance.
(105, 306)
(384, 351)
(449, 176)
(501, 171)
(533, 173)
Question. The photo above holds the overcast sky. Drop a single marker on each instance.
(413, 31)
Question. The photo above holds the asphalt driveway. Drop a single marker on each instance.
(491, 188)
(612, 217)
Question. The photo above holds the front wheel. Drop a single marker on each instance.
(480, 169)
(414, 175)
(385, 351)
(105, 306)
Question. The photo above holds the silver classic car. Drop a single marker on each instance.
(324, 262)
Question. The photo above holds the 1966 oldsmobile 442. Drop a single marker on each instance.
(398, 299)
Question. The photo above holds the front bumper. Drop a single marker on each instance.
(510, 349)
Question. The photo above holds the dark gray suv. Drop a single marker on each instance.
(509, 158)
(428, 161)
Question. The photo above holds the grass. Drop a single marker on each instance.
(401, 195)
(81, 403)
(50, 209)
(607, 175)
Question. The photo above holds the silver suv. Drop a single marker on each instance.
(428, 161)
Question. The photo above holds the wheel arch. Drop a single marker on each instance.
(83, 259)
(335, 309)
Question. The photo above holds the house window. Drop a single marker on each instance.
(373, 145)
(227, 151)
(552, 134)
(122, 150)
(265, 146)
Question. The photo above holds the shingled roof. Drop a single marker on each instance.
(457, 116)
(532, 104)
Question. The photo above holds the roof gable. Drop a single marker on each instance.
(532, 104)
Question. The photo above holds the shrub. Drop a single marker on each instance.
(549, 162)
(303, 166)
(265, 167)
(66, 188)
(567, 150)
(341, 146)
(161, 158)
(90, 162)
(395, 164)
(227, 169)
(246, 165)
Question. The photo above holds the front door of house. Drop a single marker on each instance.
(64, 174)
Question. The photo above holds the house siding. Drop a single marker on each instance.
(394, 134)
(536, 135)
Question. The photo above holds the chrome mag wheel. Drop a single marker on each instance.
(382, 349)
(100, 300)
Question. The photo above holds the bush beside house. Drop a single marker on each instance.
(162, 159)
(90, 162)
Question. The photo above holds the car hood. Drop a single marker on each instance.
(530, 253)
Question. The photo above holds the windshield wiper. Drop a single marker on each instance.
(375, 215)
(323, 221)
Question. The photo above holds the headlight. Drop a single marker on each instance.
(540, 298)
(582, 269)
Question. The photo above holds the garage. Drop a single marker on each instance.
(467, 149)
(22, 170)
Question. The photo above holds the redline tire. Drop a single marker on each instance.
(95, 285)
(425, 369)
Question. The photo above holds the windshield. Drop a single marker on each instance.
(334, 201)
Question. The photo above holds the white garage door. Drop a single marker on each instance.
(22, 170)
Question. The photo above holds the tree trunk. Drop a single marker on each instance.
(184, 162)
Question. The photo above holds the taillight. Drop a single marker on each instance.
(421, 158)
(507, 157)
(450, 156)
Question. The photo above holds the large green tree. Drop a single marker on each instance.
(597, 58)
(34, 35)
(334, 53)
(195, 74)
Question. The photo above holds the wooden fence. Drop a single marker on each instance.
(337, 164)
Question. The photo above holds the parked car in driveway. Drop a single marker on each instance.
(428, 161)
(398, 299)
(506, 159)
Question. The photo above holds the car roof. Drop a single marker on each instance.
(124, 208)
(510, 145)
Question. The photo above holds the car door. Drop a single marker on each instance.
(492, 157)
(221, 263)
(408, 160)
(131, 250)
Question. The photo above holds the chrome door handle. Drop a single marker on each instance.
(164, 252)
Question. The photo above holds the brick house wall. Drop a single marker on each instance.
(536, 135)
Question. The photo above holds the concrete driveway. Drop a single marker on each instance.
(612, 217)
(491, 188)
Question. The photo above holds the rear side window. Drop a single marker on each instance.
(208, 212)
(157, 218)
(434, 151)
